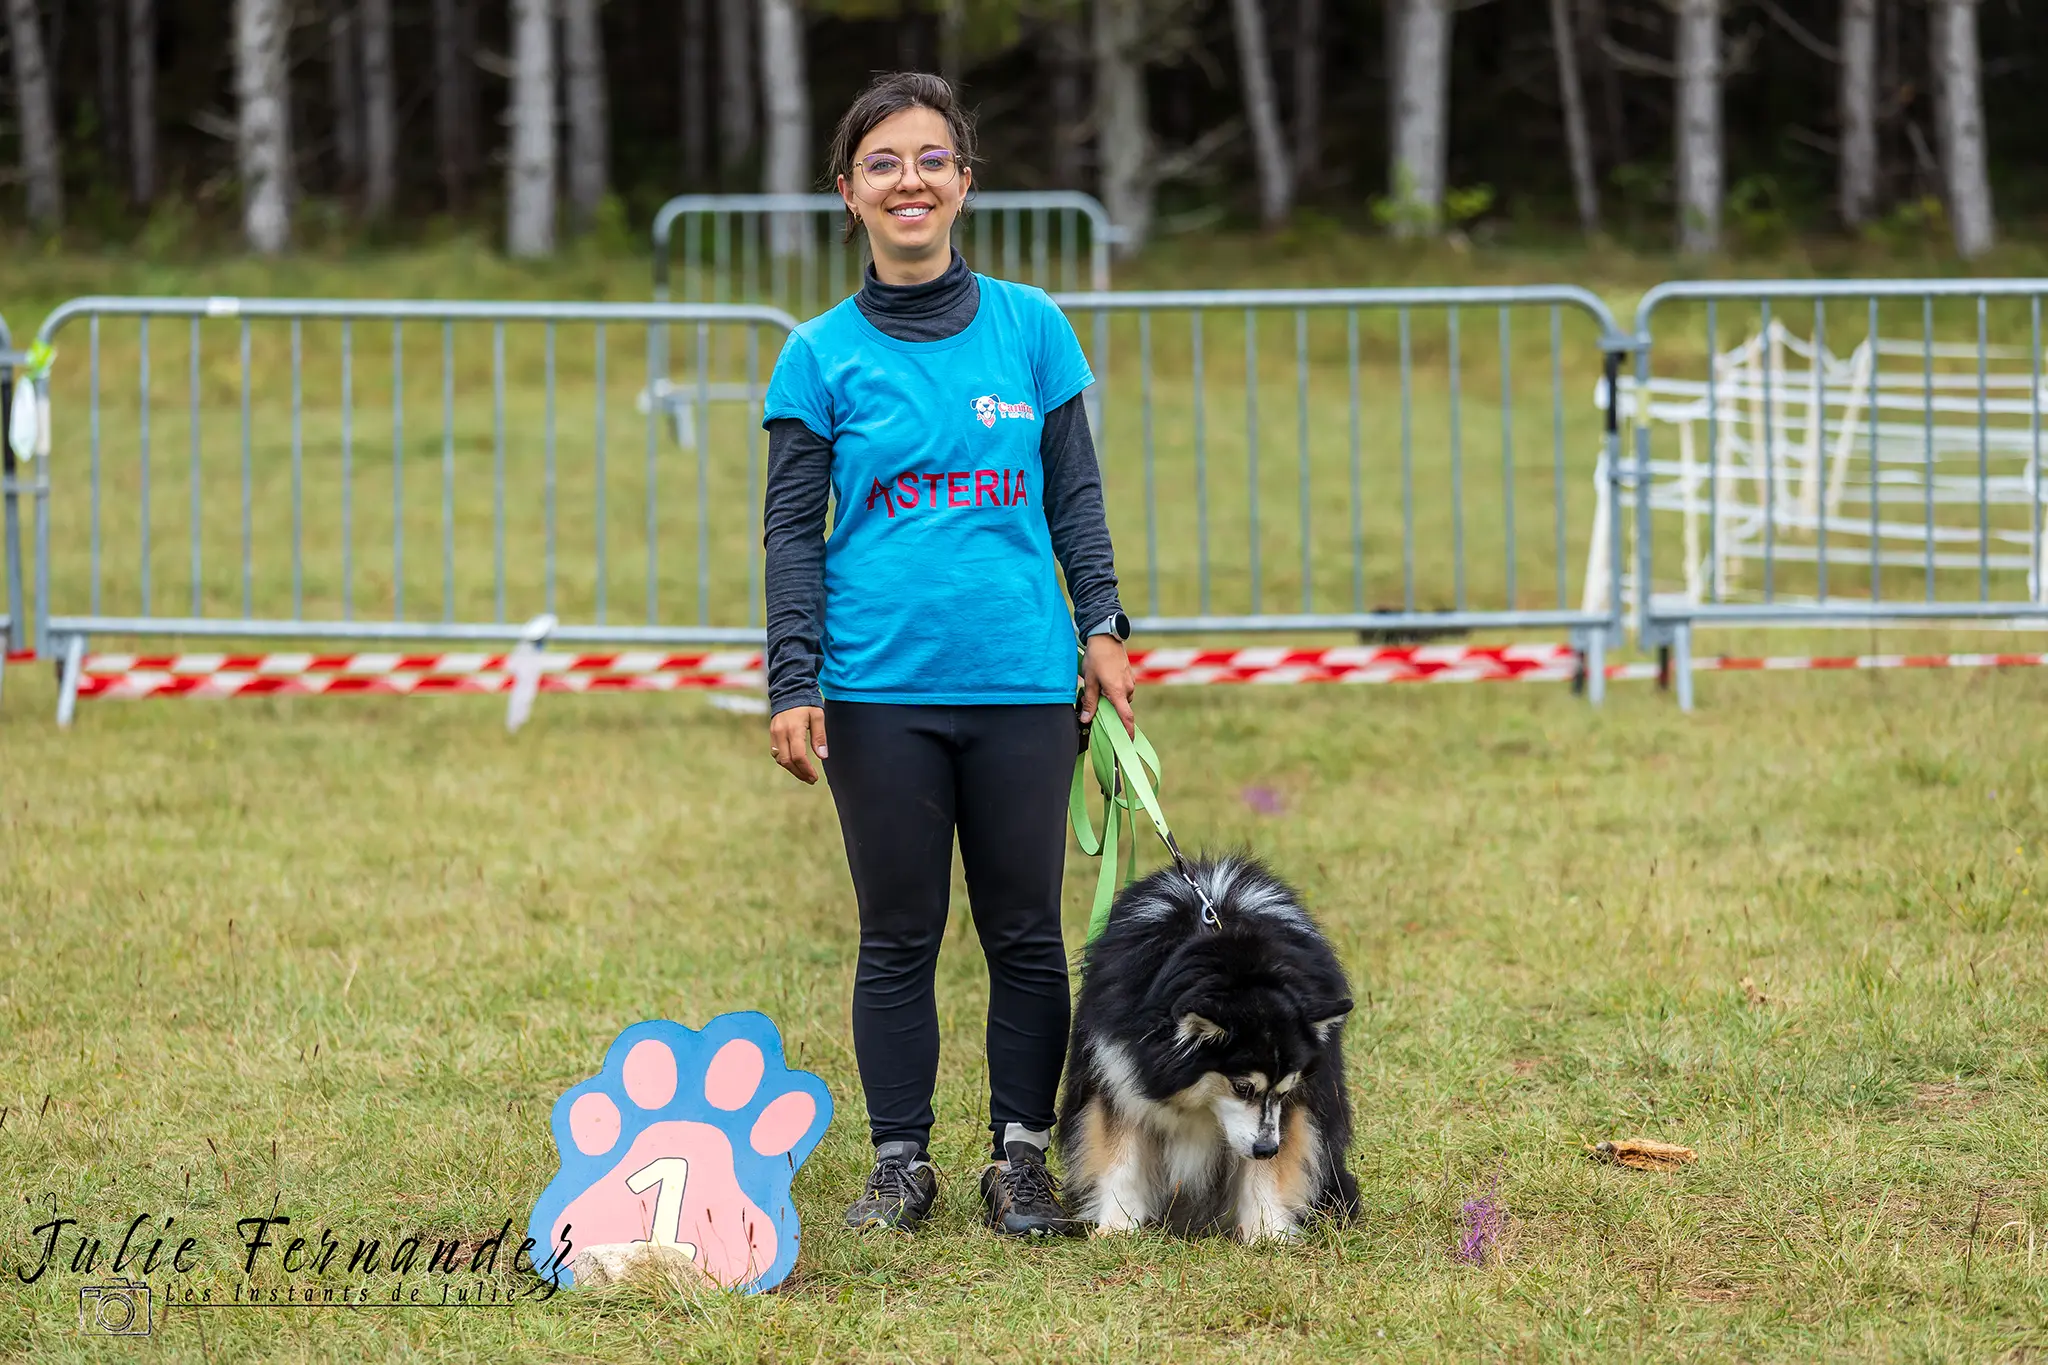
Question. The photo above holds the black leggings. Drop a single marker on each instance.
(905, 778)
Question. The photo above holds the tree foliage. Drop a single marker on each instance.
(1506, 135)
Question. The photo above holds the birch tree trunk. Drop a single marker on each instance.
(736, 104)
(1699, 126)
(1959, 113)
(142, 101)
(1572, 95)
(1069, 114)
(344, 92)
(263, 130)
(530, 167)
(41, 159)
(1421, 82)
(1123, 133)
(1308, 92)
(380, 111)
(589, 150)
(695, 106)
(785, 91)
(1857, 187)
(113, 122)
(1262, 112)
(952, 20)
(450, 123)
(1593, 28)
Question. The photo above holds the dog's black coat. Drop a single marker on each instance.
(1265, 977)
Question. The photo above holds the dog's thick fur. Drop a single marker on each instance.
(1205, 1080)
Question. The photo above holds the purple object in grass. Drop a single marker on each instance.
(1484, 1219)
(1265, 800)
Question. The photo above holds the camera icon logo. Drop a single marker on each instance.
(120, 1309)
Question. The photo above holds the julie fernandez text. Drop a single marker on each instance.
(155, 1247)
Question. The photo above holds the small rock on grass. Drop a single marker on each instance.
(618, 1262)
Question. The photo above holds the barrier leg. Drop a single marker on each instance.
(1590, 677)
(525, 667)
(69, 671)
(1681, 663)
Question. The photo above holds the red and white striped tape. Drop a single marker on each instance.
(129, 686)
(639, 662)
(1358, 664)
(1797, 663)
(1430, 658)
(231, 675)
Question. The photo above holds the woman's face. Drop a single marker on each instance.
(889, 188)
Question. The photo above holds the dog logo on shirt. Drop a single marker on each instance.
(989, 407)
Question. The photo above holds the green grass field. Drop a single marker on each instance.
(336, 958)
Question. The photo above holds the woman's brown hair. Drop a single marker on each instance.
(886, 96)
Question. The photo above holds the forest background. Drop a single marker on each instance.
(1706, 126)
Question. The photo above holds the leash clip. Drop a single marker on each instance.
(1210, 919)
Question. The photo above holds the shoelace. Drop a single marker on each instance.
(892, 1180)
(1029, 1182)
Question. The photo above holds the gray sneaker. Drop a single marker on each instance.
(1020, 1197)
(901, 1190)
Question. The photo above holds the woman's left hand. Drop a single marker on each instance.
(1106, 672)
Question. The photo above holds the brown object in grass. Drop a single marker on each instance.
(1643, 1154)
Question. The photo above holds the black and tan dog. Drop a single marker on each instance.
(1205, 1080)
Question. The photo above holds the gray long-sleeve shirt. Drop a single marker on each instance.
(799, 487)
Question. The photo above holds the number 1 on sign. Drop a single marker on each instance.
(672, 1173)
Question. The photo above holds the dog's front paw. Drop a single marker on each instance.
(687, 1140)
(1285, 1232)
(1112, 1220)
(1120, 1227)
(1267, 1222)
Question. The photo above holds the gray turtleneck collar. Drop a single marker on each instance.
(931, 311)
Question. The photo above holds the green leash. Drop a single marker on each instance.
(1121, 764)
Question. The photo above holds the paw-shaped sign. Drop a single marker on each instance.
(687, 1140)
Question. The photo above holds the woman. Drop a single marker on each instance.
(942, 411)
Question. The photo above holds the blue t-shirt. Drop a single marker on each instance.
(940, 585)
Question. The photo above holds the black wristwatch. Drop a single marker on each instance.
(1118, 625)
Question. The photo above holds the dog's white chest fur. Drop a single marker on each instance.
(1160, 1161)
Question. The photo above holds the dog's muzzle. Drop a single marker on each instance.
(1264, 1150)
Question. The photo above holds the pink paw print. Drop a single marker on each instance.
(687, 1140)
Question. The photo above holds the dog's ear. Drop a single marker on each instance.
(1326, 1016)
(1195, 1028)
(1194, 1014)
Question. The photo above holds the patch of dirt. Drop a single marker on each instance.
(1117, 1278)
(1527, 1066)
(1947, 1097)
(1718, 1291)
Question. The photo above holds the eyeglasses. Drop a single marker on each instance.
(883, 171)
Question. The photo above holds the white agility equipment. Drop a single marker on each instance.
(1919, 456)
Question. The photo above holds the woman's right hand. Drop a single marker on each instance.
(792, 734)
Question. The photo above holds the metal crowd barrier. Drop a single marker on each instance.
(787, 251)
(1401, 463)
(1850, 452)
(1396, 462)
(301, 473)
(13, 622)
